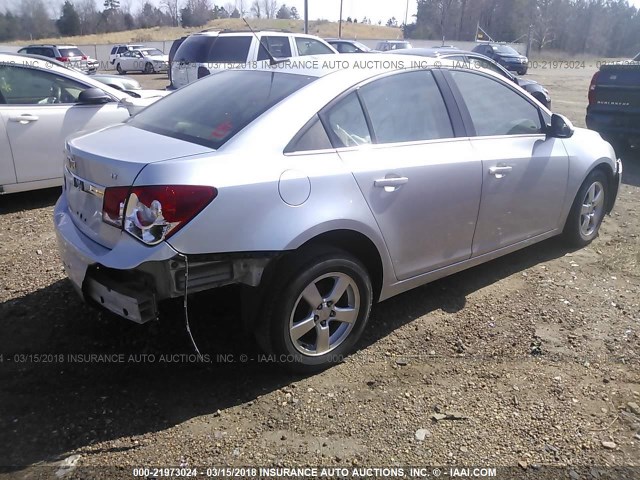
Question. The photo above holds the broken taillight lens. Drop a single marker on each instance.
(154, 213)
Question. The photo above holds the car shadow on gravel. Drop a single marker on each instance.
(17, 202)
(72, 376)
(449, 294)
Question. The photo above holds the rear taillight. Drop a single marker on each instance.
(154, 213)
(62, 59)
(113, 205)
(592, 88)
(84, 57)
(203, 72)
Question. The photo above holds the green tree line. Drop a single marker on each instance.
(33, 19)
(602, 27)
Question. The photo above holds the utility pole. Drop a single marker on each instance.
(306, 16)
(406, 13)
(529, 41)
(340, 22)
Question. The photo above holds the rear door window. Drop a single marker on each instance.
(230, 49)
(311, 46)
(347, 124)
(279, 46)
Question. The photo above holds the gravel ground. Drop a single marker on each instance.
(527, 361)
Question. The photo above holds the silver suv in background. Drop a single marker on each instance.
(68, 54)
(205, 52)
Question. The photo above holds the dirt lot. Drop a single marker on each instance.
(532, 360)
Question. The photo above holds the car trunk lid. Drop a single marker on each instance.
(112, 158)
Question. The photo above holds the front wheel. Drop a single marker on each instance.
(588, 210)
(317, 310)
(148, 68)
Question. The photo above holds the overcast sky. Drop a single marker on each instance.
(373, 9)
(327, 9)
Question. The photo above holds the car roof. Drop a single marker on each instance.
(427, 52)
(343, 63)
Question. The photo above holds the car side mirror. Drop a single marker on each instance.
(561, 127)
(93, 96)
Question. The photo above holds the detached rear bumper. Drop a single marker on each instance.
(133, 294)
(130, 279)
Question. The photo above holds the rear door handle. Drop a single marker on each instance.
(24, 118)
(393, 182)
(500, 171)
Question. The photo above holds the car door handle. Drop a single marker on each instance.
(393, 182)
(500, 171)
(24, 119)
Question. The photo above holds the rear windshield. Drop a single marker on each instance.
(151, 51)
(71, 52)
(194, 49)
(204, 49)
(503, 49)
(211, 111)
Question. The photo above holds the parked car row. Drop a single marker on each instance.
(67, 54)
(333, 196)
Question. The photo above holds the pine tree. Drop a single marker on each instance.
(69, 22)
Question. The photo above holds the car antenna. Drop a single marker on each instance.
(272, 59)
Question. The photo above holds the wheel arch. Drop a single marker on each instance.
(604, 167)
(358, 245)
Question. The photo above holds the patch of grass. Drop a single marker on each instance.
(321, 28)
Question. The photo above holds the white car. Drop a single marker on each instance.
(118, 50)
(42, 102)
(147, 60)
(208, 52)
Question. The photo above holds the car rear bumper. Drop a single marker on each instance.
(614, 125)
(132, 278)
(126, 280)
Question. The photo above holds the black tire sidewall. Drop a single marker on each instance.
(299, 279)
(572, 227)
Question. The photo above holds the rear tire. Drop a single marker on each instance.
(587, 211)
(120, 70)
(316, 310)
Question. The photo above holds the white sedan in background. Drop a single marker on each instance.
(147, 60)
(42, 102)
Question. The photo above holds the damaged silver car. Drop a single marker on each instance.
(323, 190)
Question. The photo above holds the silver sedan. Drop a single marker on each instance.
(323, 187)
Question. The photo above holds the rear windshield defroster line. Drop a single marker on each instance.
(211, 111)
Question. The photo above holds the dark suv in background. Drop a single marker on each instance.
(505, 55)
(476, 60)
